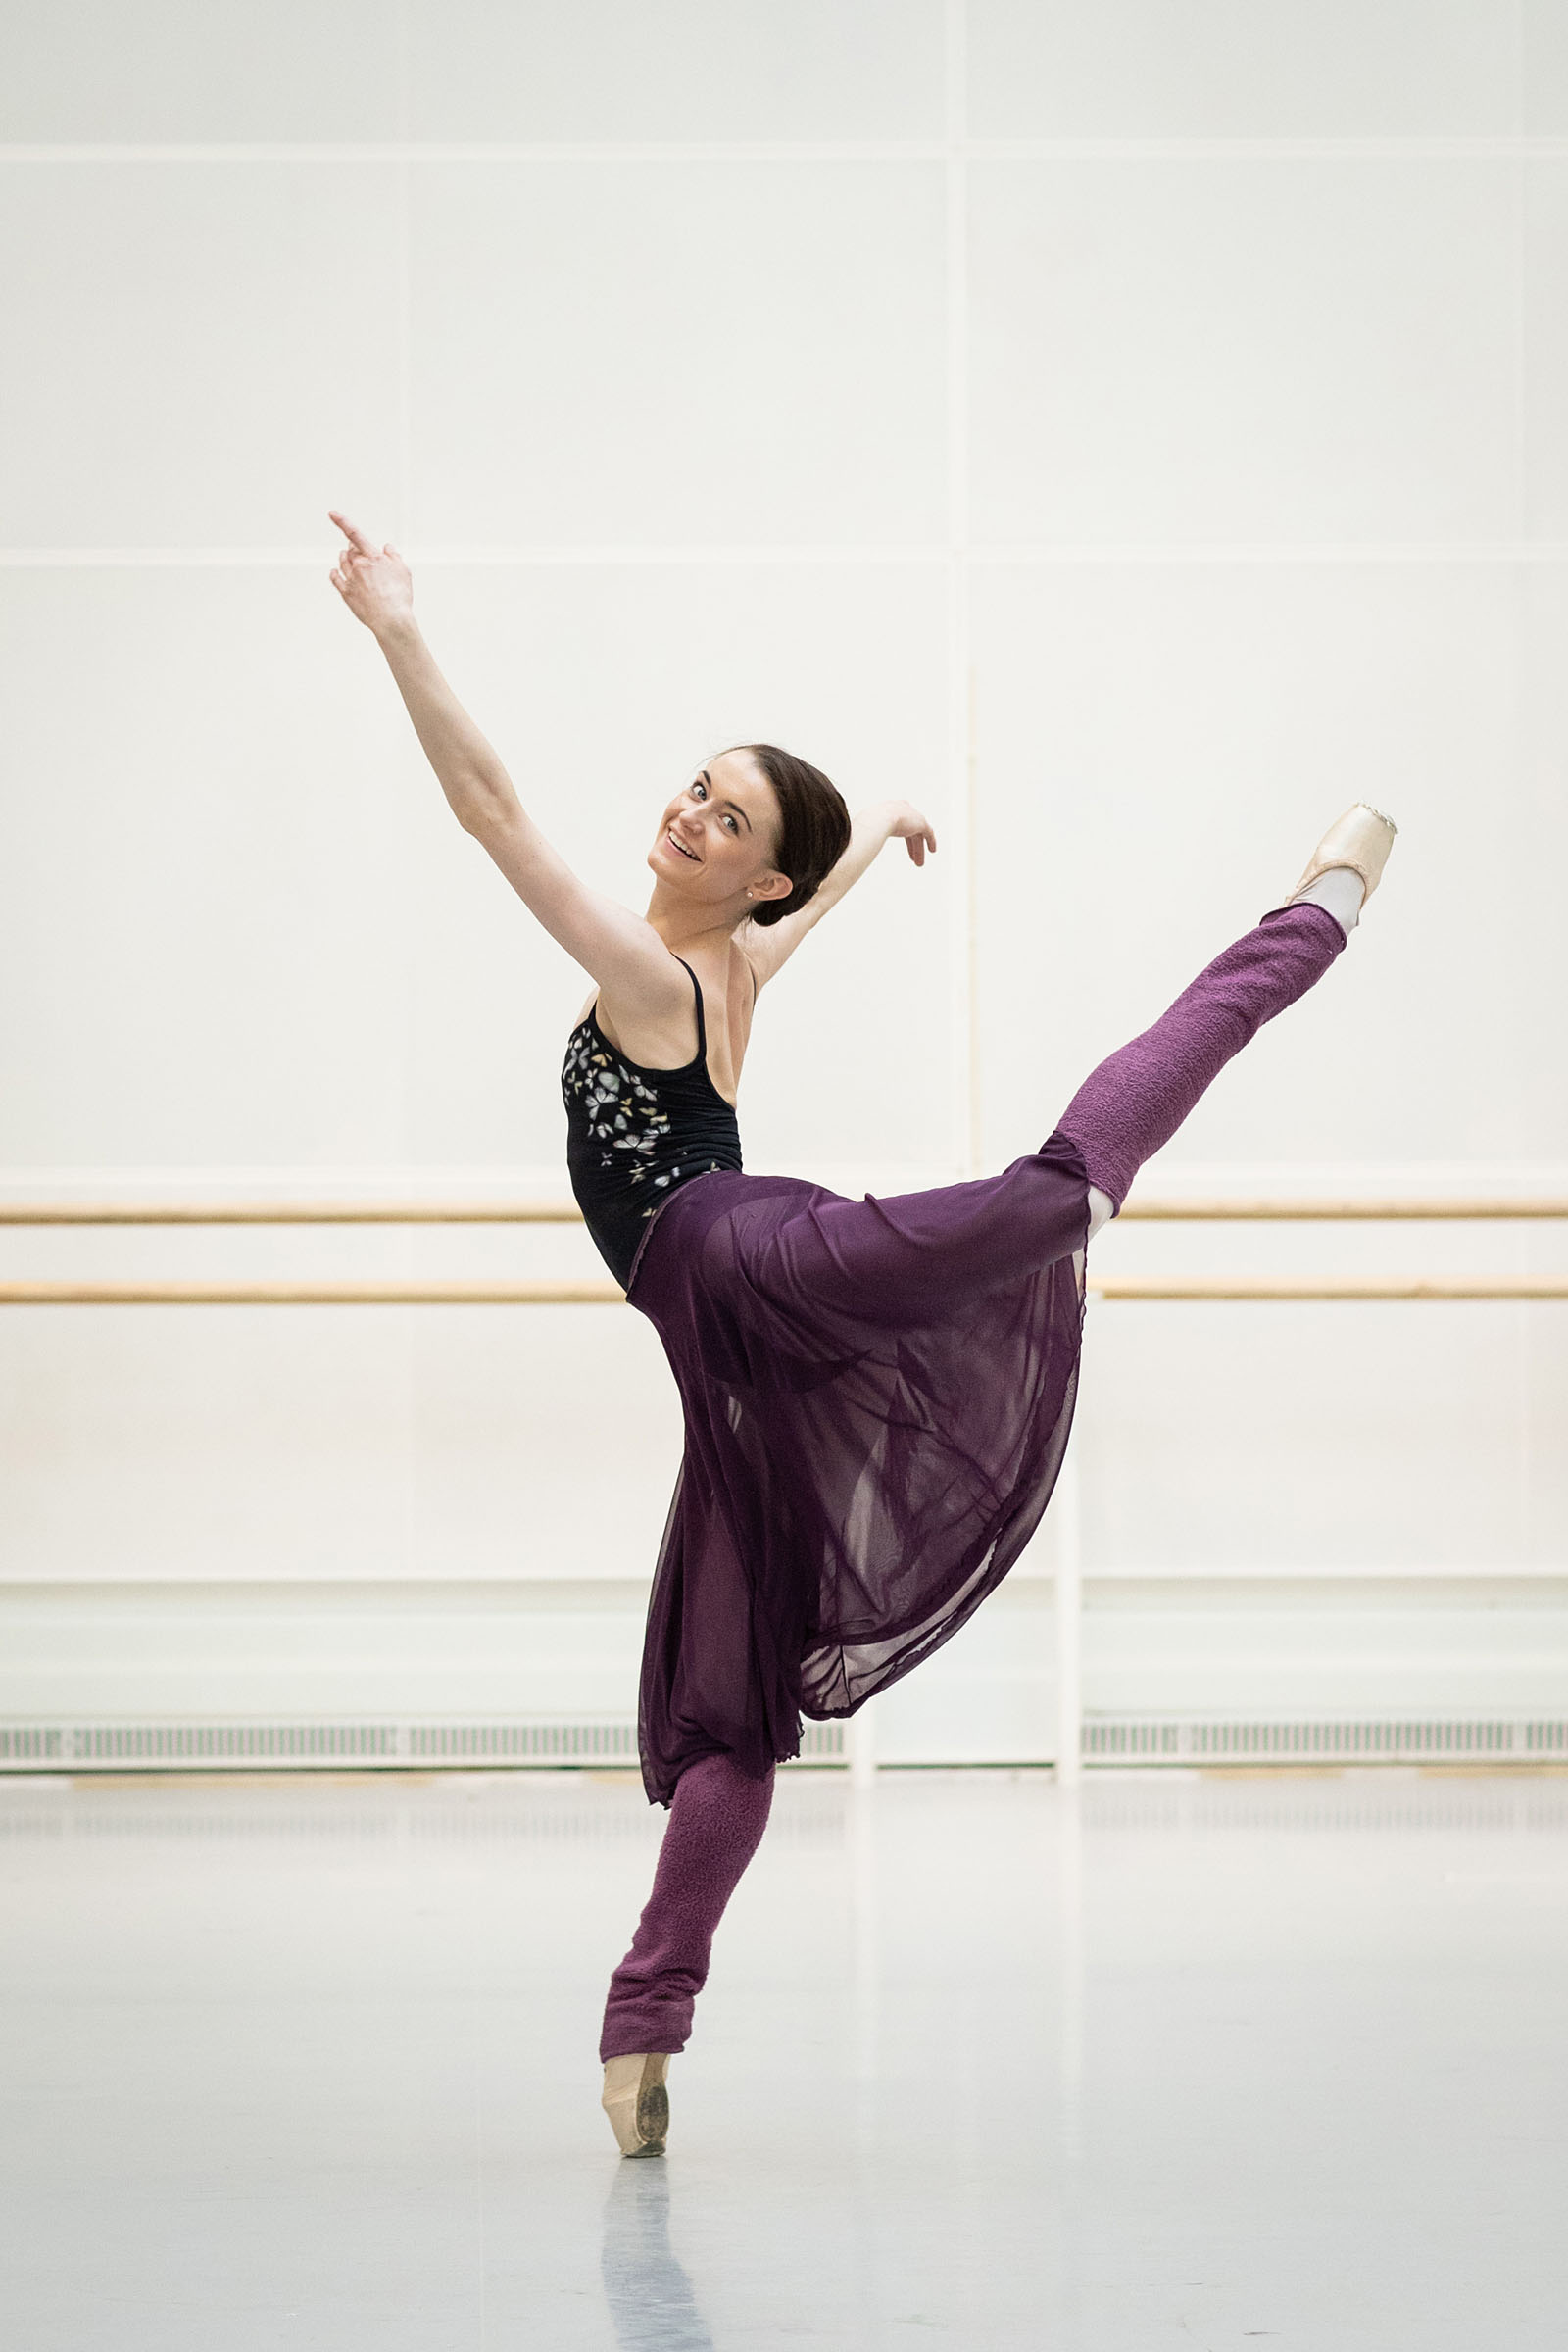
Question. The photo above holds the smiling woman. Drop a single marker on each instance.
(876, 1394)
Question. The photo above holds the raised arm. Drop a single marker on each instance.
(619, 948)
(769, 946)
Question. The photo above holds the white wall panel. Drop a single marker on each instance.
(546, 1442)
(226, 1443)
(1243, 69)
(308, 1651)
(206, 829)
(1161, 747)
(1298, 350)
(1544, 66)
(195, 70)
(209, 351)
(700, 70)
(1531, 848)
(679, 353)
(1544, 347)
(1327, 1652)
(1323, 1434)
(156, 1442)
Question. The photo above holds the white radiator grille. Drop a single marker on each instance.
(302, 1746)
(1134, 1740)
(173, 1747)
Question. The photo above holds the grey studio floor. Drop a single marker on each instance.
(1187, 2060)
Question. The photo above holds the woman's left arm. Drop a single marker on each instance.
(767, 946)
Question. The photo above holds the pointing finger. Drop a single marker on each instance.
(352, 533)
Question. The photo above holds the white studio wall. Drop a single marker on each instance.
(1130, 432)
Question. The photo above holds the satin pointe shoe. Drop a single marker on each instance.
(637, 2103)
(1360, 839)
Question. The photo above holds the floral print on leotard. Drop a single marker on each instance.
(621, 1114)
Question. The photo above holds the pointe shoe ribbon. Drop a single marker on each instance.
(637, 2103)
(1360, 839)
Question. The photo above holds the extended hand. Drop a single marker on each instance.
(907, 824)
(374, 582)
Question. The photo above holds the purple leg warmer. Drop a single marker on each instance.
(1136, 1100)
(716, 1820)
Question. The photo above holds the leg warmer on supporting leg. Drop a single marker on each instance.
(716, 1821)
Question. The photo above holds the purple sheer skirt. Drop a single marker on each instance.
(878, 1393)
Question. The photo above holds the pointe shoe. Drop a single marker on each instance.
(637, 2103)
(1360, 839)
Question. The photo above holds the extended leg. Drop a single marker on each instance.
(715, 1825)
(1137, 1099)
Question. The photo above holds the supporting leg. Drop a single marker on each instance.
(1137, 1099)
(715, 1825)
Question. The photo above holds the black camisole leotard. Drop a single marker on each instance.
(635, 1135)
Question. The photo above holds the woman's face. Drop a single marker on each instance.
(717, 839)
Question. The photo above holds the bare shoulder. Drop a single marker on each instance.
(647, 1013)
(729, 980)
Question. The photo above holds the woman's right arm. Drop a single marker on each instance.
(621, 950)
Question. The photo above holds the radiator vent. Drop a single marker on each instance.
(523, 1742)
(1109, 1739)
(285, 1746)
(173, 1747)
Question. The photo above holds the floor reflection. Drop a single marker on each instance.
(650, 2296)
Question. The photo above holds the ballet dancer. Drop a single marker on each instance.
(876, 1392)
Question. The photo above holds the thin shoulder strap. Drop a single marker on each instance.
(697, 991)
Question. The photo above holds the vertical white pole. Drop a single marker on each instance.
(1070, 1888)
(958, 844)
(862, 1827)
(401, 518)
(860, 1741)
(1069, 1623)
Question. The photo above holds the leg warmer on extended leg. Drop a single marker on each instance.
(1137, 1098)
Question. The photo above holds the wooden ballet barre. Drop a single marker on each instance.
(290, 1212)
(599, 1293)
(311, 1293)
(1306, 1210)
(1316, 1286)
(1109, 1287)
(1290, 1209)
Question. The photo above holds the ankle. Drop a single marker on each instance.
(1340, 892)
